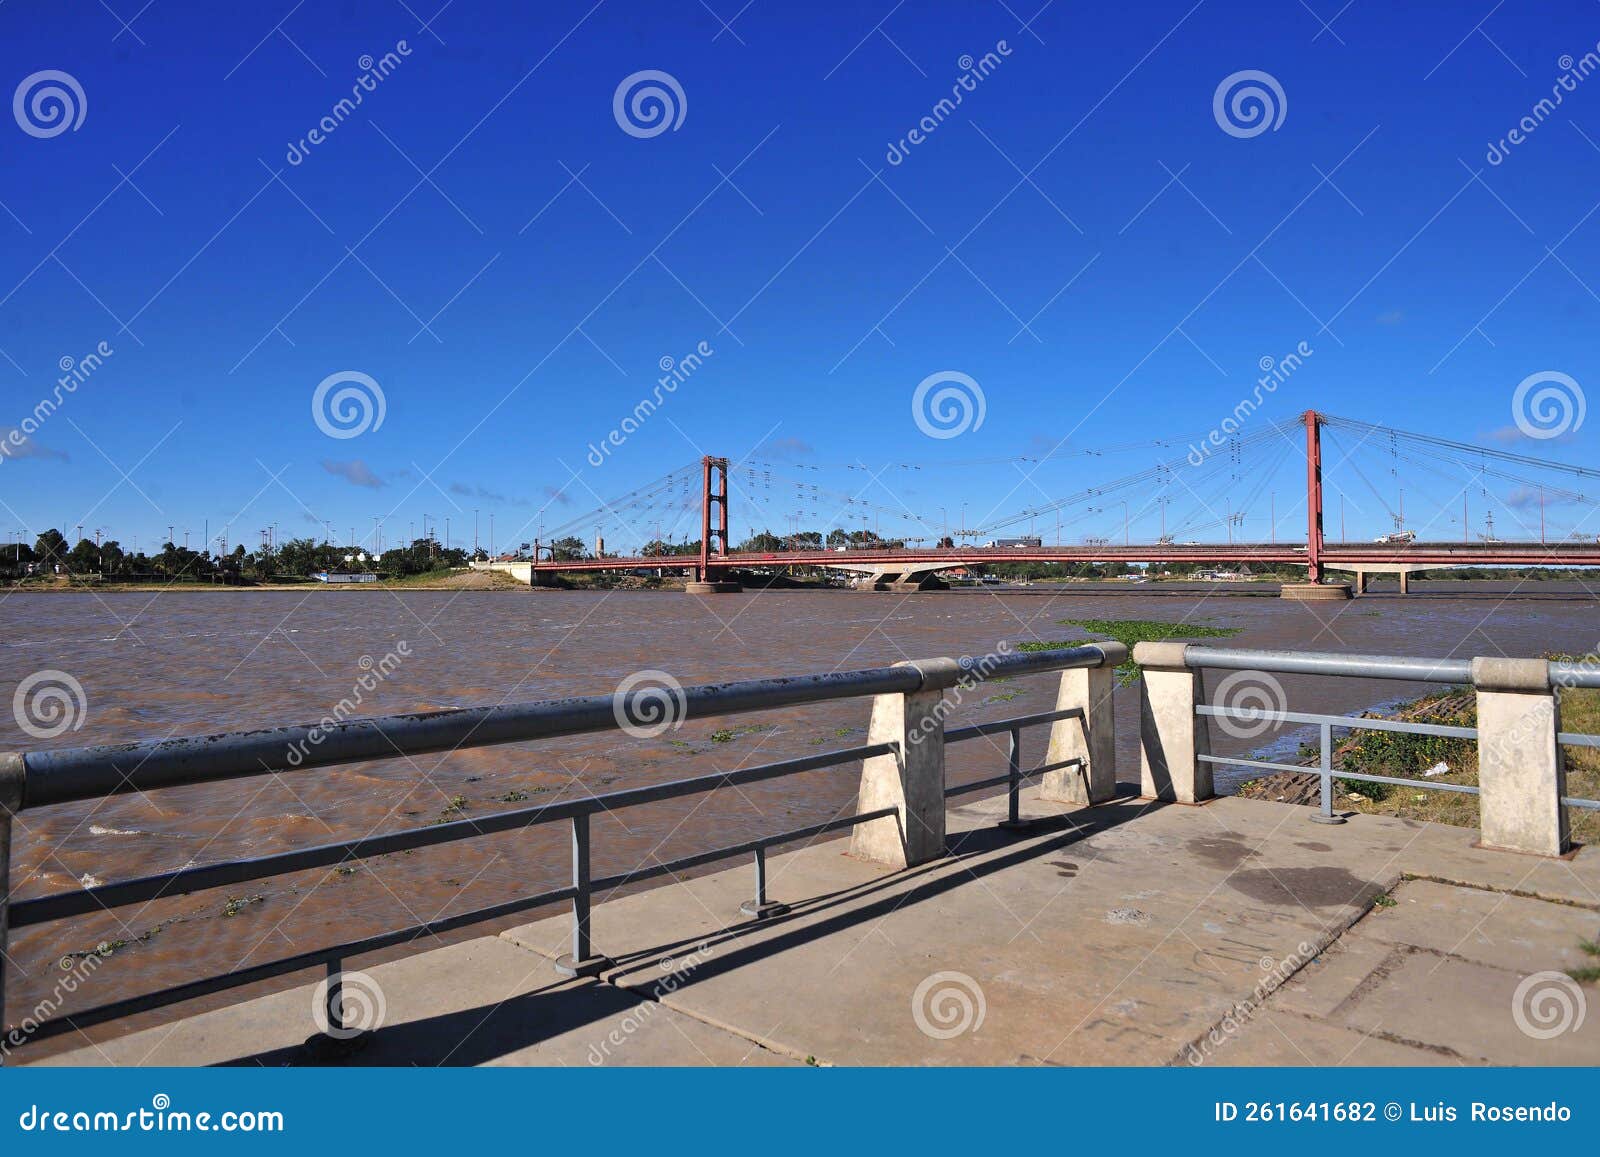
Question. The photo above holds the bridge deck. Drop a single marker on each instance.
(1119, 935)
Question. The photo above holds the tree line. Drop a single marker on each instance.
(51, 554)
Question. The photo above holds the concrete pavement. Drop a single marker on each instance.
(1128, 933)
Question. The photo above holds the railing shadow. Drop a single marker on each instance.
(491, 1032)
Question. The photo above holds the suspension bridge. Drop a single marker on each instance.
(1209, 497)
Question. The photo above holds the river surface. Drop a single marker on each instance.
(156, 665)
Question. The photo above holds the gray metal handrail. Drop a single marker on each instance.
(1563, 673)
(37, 779)
(1451, 671)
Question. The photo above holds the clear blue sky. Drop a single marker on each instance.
(513, 313)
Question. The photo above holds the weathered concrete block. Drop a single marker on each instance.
(1170, 736)
(911, 780)
(1090, 736)
(1521, 777)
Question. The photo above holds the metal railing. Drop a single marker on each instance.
(1453, 672)
(42, 778)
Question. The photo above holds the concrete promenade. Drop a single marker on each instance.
(1125, 934)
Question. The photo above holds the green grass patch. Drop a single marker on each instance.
(1129, 632)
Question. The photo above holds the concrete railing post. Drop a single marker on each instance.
(911, 779)
(1090, 737)
(13, 775)
(1521, 777)
(1171, 736)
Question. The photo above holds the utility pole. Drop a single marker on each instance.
(1541, 516)
(475, 530)
(491, 534)
(1273, 530)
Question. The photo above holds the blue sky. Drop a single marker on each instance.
(514, 305)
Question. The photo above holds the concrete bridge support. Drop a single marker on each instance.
(1361, 584)
(1171, 736)
(1521, 777)
(910, 780)
(1090, 737)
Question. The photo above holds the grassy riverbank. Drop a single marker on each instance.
(1408, 756)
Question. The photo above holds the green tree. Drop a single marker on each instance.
(51, 547)
(568, 549)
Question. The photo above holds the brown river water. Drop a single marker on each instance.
(156, 665)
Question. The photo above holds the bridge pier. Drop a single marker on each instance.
(711, 587)
(1315, 592)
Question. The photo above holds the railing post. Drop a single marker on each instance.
(910, 779)
(1324, 814)
(1014, 770)
(581, 961)
(760, 907)
(1090, 737)
(13, 775)
(1521, 777)
(1170, 734)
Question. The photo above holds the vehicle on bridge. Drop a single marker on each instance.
(1020, 543)
(1398, 537)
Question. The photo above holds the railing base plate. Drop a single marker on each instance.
(1319, 818)
(567, 965)
(1022, 825)
(764, 911)
(323, 1048)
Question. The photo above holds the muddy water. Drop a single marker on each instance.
(160, 665)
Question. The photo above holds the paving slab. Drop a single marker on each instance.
(1474, 1011)
(1330, 979)
(1280, 1038)
(478, 1002)
(1494, 928)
